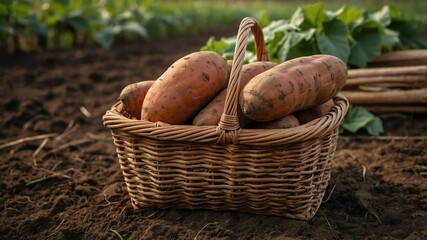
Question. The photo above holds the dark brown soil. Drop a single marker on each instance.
(71, 186)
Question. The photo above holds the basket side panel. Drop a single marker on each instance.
(126, 166)
(323, 170)
(284, 180)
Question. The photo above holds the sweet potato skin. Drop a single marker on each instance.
(132, 97)
(211, 114)
(185, 87)
(288, 121)
(294, 85)
(315, 112)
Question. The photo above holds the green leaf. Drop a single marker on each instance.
(136, 28)
(225, 46)
(296, 44)
(314, 15)
(263, 19)
(75, 13)
(274, 45)
(356, 118)
(33, 25)
(52, 20)
(359, 118)
(390, 39)
(298, 17)
(215, 45)
(79, 23)
(20, 9)
(8, 2)
(365, 44)
(382, 16)
(123, 16)
(375, 127)
(62, 2)
(409, 34)
(408, 29)
(3, 9)
(6, 29)
(105, 37)
(395, 13)
(58, 8)
(334, 39)
(274, 27)
(348, 15)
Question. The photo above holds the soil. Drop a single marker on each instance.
(70, 186)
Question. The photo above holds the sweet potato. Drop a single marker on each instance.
(318, 111)
(288, 121)
(211, 114)
(185, 88)
(292, 86)
(132, 97)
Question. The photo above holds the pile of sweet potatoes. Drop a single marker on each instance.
(193, 91)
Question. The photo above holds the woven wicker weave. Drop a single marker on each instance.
(281, 172)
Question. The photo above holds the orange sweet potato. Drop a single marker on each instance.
(132, 97)
(318, 111)
(288, 121)
(292, 86)
(211, 114)
(185, 88)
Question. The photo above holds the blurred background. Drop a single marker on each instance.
(34, 25)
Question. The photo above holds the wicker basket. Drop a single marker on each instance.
(281, 172)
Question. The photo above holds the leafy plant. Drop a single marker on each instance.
(119, 21)
(354, 35)
(44, 24)
(359, 118)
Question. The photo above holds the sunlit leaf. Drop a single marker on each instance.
(365, 44)
(134, 27)
(314, 16)
(382, 16)
(215, 45)
(334, 39)
(348, 15)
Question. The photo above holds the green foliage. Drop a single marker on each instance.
(44, 24)
(354, 35)
(359, 118)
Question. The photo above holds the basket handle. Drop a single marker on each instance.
(228, 127)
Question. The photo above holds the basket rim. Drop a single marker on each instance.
(319, 127)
